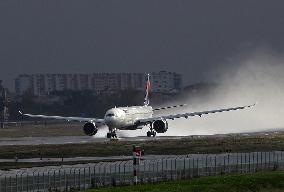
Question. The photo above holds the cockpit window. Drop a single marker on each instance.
(110, 115)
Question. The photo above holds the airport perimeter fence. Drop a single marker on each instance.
(95, 175)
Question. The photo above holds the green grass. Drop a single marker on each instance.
(262, 182)
(152, 147)
(208, 145)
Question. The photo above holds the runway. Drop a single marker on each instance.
(70, 140)
(87, 139)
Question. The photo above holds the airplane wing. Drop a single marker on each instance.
(186, 115)
(81, 119)
(169, 107)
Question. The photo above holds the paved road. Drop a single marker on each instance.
(152, 169)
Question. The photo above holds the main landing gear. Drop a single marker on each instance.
(112, 134)
(151, 132)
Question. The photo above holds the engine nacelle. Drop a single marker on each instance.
(90, 129)
(160, 126)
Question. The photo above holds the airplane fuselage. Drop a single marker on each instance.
(124, 118)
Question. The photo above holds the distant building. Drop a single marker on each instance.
(4, 101)
(44, 84)
(23, 84)
(166, 82)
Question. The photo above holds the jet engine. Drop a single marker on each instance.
(160, 126)
(90, 129)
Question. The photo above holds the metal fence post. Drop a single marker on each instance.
(157, 169)
(281, 152)
(184, 168)
(10, 183)
(269, 162)
(206, 165)
(22, 181)
(273, 160)
(16, 182)
(27, 182)
(257, 161)
(0, 183)
(176, 176)
(120, 172)
(65, 181)
(237, 169)
(43, 180)
(90, 177)
(154, 173)
(162, 169)
(215, 163)
(224, 169)
(94, 180)
(74, 178)
(197, 163)
(48, 175)
(33, 180)
(193, 167)
(124, 176)
(79, 179)
(253, 162)
(171, 169)
(229, 164)
(241, 163)
(100, 176)
(84, 178)
(145, 175)
(189, 172)
(38, 181)
(167, 169)
(59, 173)
(6, 190)
(261, 161)
(249, 162)
(54, 180)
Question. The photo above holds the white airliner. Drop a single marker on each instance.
(132, 118)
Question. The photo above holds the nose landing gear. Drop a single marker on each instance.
(112, 134)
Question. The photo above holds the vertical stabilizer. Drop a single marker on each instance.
(146, 100)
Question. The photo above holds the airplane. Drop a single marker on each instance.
(134, 117)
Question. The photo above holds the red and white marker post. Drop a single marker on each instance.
(136, 160)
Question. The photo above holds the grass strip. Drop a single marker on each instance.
(261, 181)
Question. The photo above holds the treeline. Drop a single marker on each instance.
(73, 103)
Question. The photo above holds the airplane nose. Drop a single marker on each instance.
(109, 120)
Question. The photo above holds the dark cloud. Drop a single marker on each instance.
(190, 37)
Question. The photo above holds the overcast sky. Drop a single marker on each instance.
(189, 37)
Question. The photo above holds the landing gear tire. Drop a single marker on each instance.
(114, 135)
(111, 135)
(151, 133)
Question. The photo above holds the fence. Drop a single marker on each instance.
(84, 176)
